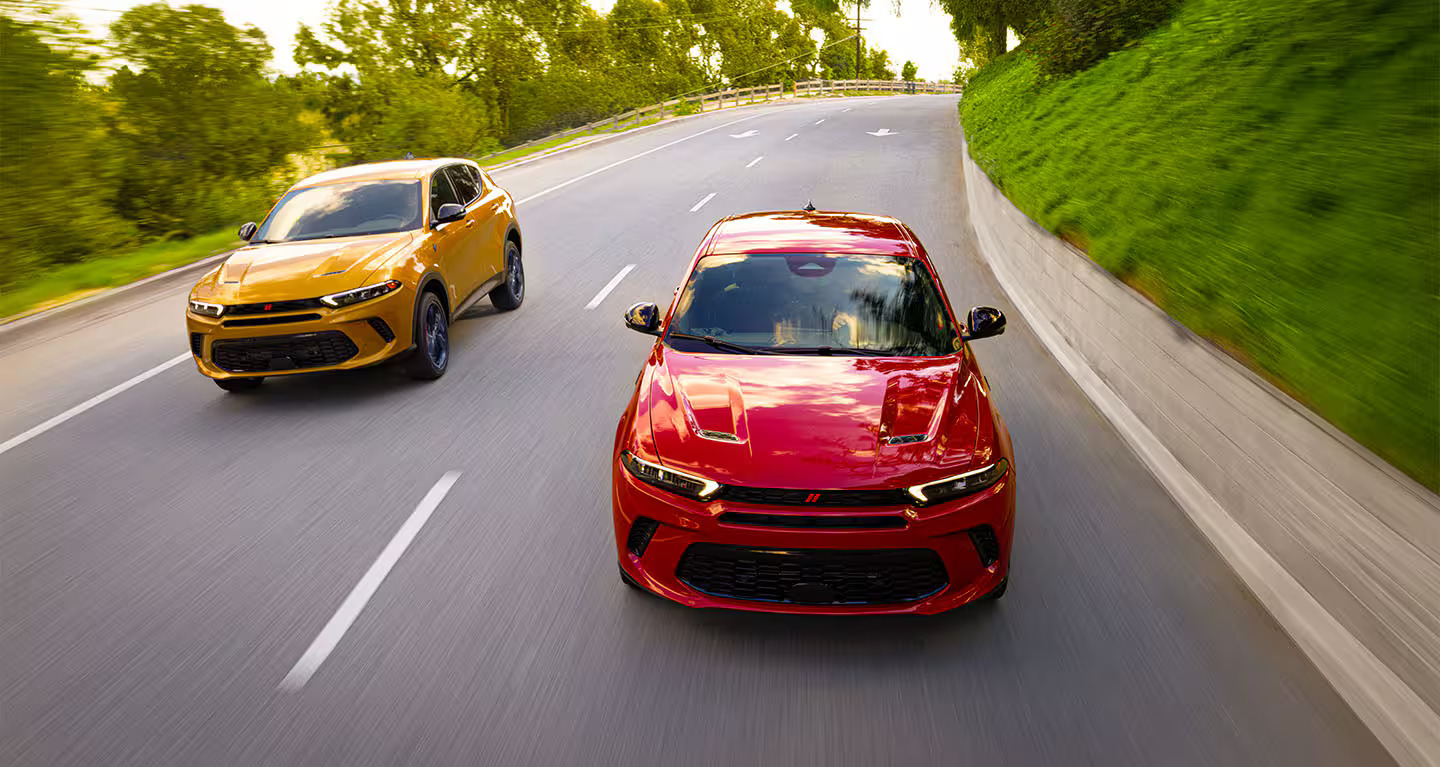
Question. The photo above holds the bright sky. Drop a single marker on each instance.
(920, 33)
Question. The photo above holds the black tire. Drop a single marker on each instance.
(511, 292)
(998, 591)
(431, 336)
(239, 384)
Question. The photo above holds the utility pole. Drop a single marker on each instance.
(858, 61)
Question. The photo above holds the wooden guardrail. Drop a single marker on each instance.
(733, 97)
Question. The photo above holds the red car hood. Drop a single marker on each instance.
(813, 422)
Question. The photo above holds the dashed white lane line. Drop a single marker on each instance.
(846, 109)
(618, 163)
(792, 135)
(821, 120)
(757, 159)
(54, 421)
(350, 609)
(609, 286)
(702, 202)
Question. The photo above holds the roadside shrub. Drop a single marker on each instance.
(1079, 33)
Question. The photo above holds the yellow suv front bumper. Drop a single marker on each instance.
(302, 341)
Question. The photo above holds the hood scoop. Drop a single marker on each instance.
(908, 439)
(714, 408)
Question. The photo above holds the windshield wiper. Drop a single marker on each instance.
(718, 344)
(827, 351)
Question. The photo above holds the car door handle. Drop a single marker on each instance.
(469, 222)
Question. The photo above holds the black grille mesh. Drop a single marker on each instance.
(640, 534)
(197, 345)
(307, 350)
(258, 321)
(986, 545)
(274, 307)
(784, 497)
(805, 522)
(813, 576)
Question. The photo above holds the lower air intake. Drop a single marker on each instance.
(986, 545)
(640, 534)
(307, 350)
(382, 328)
(813, 576)
(197, 345)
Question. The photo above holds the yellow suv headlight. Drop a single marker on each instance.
(348, 297)
(207, 309)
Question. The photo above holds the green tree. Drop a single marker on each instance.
(877, 65)
(395, 113)
(982, 26)
(203, 133)
(907, 72)
(58, 174)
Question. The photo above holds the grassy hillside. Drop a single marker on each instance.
(1267, 172)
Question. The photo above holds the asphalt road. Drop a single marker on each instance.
(168, 556)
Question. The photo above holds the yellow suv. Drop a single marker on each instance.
(356, 266)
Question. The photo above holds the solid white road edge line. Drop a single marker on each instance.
(350, 609)
(618, 163)
(757, 159)
(36, 431)
(1407, 727)
(609, 286)
(792, 135)
(702, 202)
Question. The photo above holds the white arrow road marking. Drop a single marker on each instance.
(746, 134)
(701, 204)
(609, 286)
(369, 583)
(882, 132)
(757, 159)
(792, 135)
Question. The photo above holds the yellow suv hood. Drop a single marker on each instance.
(306, 269)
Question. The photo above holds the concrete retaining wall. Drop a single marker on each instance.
(1338, 545)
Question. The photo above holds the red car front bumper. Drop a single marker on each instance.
(943, 528)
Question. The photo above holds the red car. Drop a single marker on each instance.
(811, 433)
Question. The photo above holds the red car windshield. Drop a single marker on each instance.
(815, 303)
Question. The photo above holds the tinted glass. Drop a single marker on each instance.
(464, 182)
(343, 210)
(480, 180)
(802, 302)
(441, 192)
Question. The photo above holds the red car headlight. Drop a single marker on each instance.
(960, 485)
(679, 482)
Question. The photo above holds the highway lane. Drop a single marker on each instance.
(167, 557)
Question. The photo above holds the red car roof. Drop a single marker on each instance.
(798, 231)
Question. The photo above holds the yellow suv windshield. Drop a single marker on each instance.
(343, 210)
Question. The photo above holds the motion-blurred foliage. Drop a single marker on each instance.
(175, 125)
(58, 174)
(1076, 34)
(1268, 173)
(201, 129)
